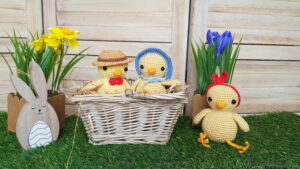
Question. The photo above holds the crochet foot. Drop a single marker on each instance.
(242, 149)
(203, 140)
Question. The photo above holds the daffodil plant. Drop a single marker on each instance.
(216, 54)
(49, 51)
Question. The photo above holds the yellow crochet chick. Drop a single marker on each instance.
(112, 67)
(155, 69)
(219, 122)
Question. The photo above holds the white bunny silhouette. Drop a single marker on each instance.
(37, 124)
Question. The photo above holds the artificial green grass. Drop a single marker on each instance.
(274, 139)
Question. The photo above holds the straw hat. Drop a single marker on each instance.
(111, 58)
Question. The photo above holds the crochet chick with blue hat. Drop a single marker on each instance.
(155, 69)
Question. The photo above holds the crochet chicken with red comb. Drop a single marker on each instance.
(220, 122)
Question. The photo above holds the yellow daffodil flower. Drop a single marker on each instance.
(56, 33)
(73, 44)
(69, 33)
(52, 42)
(45, 36)
(39, 44)
(58, 51)
(63, 33)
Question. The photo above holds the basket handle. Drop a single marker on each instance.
(129, 93)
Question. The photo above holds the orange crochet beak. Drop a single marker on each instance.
(118, 73)
(151, 70)
(220, 104)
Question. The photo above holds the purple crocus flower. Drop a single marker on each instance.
(224, 40)
(212, 37)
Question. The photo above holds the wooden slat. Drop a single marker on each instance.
(257, 100)
(49, 8)
(8, 58)
(23, 16)
(4, 44)
(116, 5)
(4, 75)
(148, 21)
(258, 22)
(6, 84)
(8, 29)
(179, 38)
(267, 52)
(267, 74)
(13, 4)
(116, 18)
(198, 25)
(34, 16)
(11, 16)
(267, 86)
(134, 33)
(129, 48)
(3, 103)
(256, 7)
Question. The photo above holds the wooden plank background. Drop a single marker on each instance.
(130, 26)
(268, 70)
(22, 16)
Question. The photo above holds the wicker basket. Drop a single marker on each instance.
(137, 119)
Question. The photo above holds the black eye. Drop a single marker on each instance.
(104, 68)
(162, 68)
(125, 69)
(209, 99)
(142, 66)
(233, 101)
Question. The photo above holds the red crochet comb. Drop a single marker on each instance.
(222, 79)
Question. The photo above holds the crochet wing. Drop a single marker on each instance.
(92, 86)
(197, 119)
(241, 122)
(171, 83)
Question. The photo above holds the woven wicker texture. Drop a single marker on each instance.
(140, 119)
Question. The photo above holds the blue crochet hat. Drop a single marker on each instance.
(169, 69)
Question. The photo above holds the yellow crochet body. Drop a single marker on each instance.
(219, 122)
(153, 87)
(103, 86)
(106, 88)
(219, 126)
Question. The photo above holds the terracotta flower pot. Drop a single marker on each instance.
(199, 103)
(15, 105)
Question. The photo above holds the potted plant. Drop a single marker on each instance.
(214, 56)
(48, 51)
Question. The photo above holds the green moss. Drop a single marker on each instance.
(274, 139)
